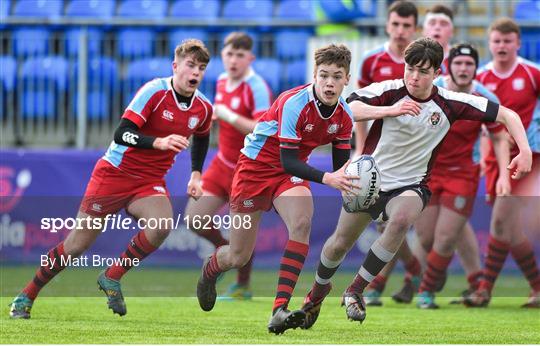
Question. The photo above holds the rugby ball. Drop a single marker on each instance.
(370, 183)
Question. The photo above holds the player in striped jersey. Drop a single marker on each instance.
(516, 82)
(155, 127)
(412, 117)
(242, 96)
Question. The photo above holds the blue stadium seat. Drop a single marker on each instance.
(44, 78)
(144, 70)
(292, 44)
(38, 8)
(296, 9)
(530, 37)
(103, 74)
(177, 36)
(527, 10)
(30, 41)
(213, 70)
(135, 43)
(9, 71)
(260, 10)
(295, 74)
(95, 38)
(4, 11)
(196, 9)
(339, 12)
(91, 8)
(270, 70)
(98, 105)
(148, 9)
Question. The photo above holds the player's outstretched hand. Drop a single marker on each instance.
(406, 107)
(522, 164)
(175, 143)
(341, 181)
(194, 186)
(503, 187)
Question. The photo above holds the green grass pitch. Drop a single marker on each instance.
(162, 309)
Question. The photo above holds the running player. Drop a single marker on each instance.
(387, 63)
(242, 96)
(455, 176)
(272, 171)
(412, 117)
(516, 82)
(155, 127)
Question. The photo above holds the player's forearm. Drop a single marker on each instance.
(244, 125)
(361, 134)
(294, 166)
(515, 127)
(501, 146)
(198, 152)
(363, 112)
(128, 134)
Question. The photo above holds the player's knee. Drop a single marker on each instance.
(498, 227)
(339, 247)
(300, 226)
(239, 259)
(399, 222)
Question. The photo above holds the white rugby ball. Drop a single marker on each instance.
(370, 183)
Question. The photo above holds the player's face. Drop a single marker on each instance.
(419, 79)
(504, 47)
(400, 29)
(463, 68)
(188, 74)
(236, 61)
(439, 29)
(329, 83)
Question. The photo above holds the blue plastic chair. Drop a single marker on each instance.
(270, 70)
(148, 9)
(213, 70)
(260, 10)
(196, 9)
(296, 9)
(91, 8)
(144, 70)
(30, 41)
(292, 44)
(38, 8)
(530, 37)
(4, 11)
(136, 42)
(527, 10)
(8, 65)
(177, 36)
(337, 11)
(44, 78)
(295, 74)
(95, 38)
(103, 74)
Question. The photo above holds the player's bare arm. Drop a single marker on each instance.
(242, 124)
(363, 112)
(501, 146)
(523, 161)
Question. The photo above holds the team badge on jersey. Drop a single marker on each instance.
(435, 118)
(518, 84)
(309, 128)
(235, 102)
(192, 122)
(296, 180)
(386, 71)
(333, 128)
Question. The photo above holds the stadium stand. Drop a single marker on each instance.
(148, 9)
(91, 8)
(296, 9)
(38, 8)
(143, 70)
(291, 44)
(260, 10)
(196, 9)
(30, 41)
(177, 36)
(95, 38)
(530, 42)
(270, 70)
(7, 82)
(135, 43)
(295, 74)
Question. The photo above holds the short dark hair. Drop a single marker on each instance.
(238, 40)
(442, 9)
(424, 50)
(505, 25)
(404, 9)
(334, 54)
(193, 47)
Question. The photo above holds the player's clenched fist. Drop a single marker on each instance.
(175, 143)
(406, 107)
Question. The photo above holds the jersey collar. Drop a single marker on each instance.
(170, 88)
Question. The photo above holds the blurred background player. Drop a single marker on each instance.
(412, 118)
(439, 26)
(272, 171)
(455, 177)
(156, 126)
(242, 96)
(516, 82)
(387, 63)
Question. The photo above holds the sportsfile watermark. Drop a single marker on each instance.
(120, 222)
